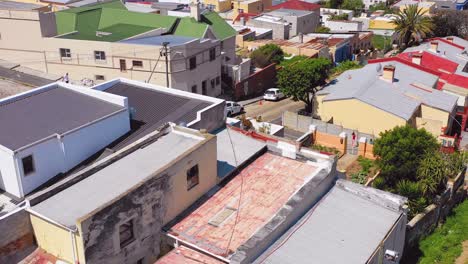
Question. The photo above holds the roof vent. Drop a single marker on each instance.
(102, 33)
(434, 46)
(416, 58)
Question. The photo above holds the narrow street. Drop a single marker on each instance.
(270, 111)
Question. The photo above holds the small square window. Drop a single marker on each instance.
(28, 165)
(99, 55)
(193, 63)
(212, 54)
(126, 234)
(137, 63)
(65, 53)
(192, 177)
(194, 89)
(99, 77)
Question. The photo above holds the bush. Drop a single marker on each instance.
(344, 66)
(432, 173)
(267, 54)
(366, 164)
(359, 177)
(379, 183)
(322, 29)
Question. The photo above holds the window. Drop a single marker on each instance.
(123, 65)
(194, 89)
(65, 53)
(192, 177)
(212, 54)
(218, 80)
(192, 63)
(137, 63)
(203, 87)
(212, 83)
(99, 77)
(126, 234)
(28, 165)
(99, 55)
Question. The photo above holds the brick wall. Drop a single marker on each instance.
(329, 140)
(16, 237)
(256, 83)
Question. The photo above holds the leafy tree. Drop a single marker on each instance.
(399, 152)
(450, 23)
(339, 17)
(355, 5)
(322, 29)
(344, 66)
(456, 162)
(267, 54)
(300, 80)
(411, 24)
(432, 173)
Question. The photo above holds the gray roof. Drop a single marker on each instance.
(342, 228)
(78, 200)
(10, 5)
(400, 98)
(24, 78)
(42, 113)
(230, 142)
(152, 108)
(288, 12)
(158, 40)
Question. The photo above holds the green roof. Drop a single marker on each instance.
(110, 17)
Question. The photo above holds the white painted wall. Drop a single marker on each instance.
(8, 179)
(344, 26)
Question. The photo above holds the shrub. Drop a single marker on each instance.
(366, 164)
(322, 29)
(267, 54)
(379, 183)
(432, 173)
(359, 177)
(344, 66)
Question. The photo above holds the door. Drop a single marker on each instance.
(123, 65)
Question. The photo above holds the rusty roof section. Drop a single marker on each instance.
(184, 255)
(210, 226)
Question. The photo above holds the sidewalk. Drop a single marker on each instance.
(250, 101)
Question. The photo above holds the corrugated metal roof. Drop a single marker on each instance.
(40, 114)
(151, 108)
(341, 228)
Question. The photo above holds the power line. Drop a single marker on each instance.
(154, 68)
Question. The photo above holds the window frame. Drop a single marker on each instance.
(132, 238)
(65, 53)
(137, 62)
(33, 165)
(212, 54)
(193, 63)
(99, 79)
(193, 177)
(194, 88)
(99, 55)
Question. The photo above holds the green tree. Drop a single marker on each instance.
(412, 24)
(450, 23)
(322, 29)
(399, 152)
(267, 54)
(432, 173)
(344, 66)
(300, 80)
(355, 5)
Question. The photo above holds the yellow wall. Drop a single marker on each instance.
(220, 6)
(354, 114)
(434, 114)
(56, 240)
(253, 7)
(181, 198)
(381, 24)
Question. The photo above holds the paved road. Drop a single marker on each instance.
(272, 110)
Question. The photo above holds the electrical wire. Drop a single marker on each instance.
(154, 68)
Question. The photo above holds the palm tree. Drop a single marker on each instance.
(412, 23)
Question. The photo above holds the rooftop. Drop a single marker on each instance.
(210, 225)
(116, 179)
(321, 234)
(159, 40)
(411, 88)
(288, 12)
(153, 105)
(297, 5)
(184, 255)
(49, 110)
(11, 5)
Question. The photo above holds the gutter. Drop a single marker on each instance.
(197, 248)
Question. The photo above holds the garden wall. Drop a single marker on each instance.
(16, 237)
(424, 223)
(256, 83)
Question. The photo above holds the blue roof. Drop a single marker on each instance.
(158, 40)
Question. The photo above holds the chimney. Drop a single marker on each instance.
(389, 72)
(450, 39)
(434, 46)
(195, 11)
(242, 20)
(416, 58)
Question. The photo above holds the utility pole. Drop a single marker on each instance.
(167, 63)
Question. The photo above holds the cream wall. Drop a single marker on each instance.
(434, 114)
(381, 24)
(220, 6)
(354, 114)
(180, 198)
(56, 240)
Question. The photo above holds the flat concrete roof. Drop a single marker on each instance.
(229, 142)
(210, 226)
(48, 110)
(12, 5)
(109, 183)
(342, 228)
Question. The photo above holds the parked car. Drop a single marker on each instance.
(233, 108)
(273, 94)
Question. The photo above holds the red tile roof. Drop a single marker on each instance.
(246, 16)
(184, 255)
(297, 5)
(260, 201)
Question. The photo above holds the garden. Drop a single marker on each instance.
(361, 170)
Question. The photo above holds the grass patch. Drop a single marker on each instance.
(381, 42)
(325, 149)
(362, 169)
(445, 244)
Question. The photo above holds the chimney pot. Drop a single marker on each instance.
(450, 39)
(389, 72)
(416, 58)
(434, 46)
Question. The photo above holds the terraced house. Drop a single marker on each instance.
(105, 41)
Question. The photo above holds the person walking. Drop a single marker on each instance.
(65, 78)
(353, 136)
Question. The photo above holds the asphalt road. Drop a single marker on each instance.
(270, 111)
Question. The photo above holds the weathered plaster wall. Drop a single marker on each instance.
(16, 237)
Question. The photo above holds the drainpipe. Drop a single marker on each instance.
(197, 248)
(73, 244)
